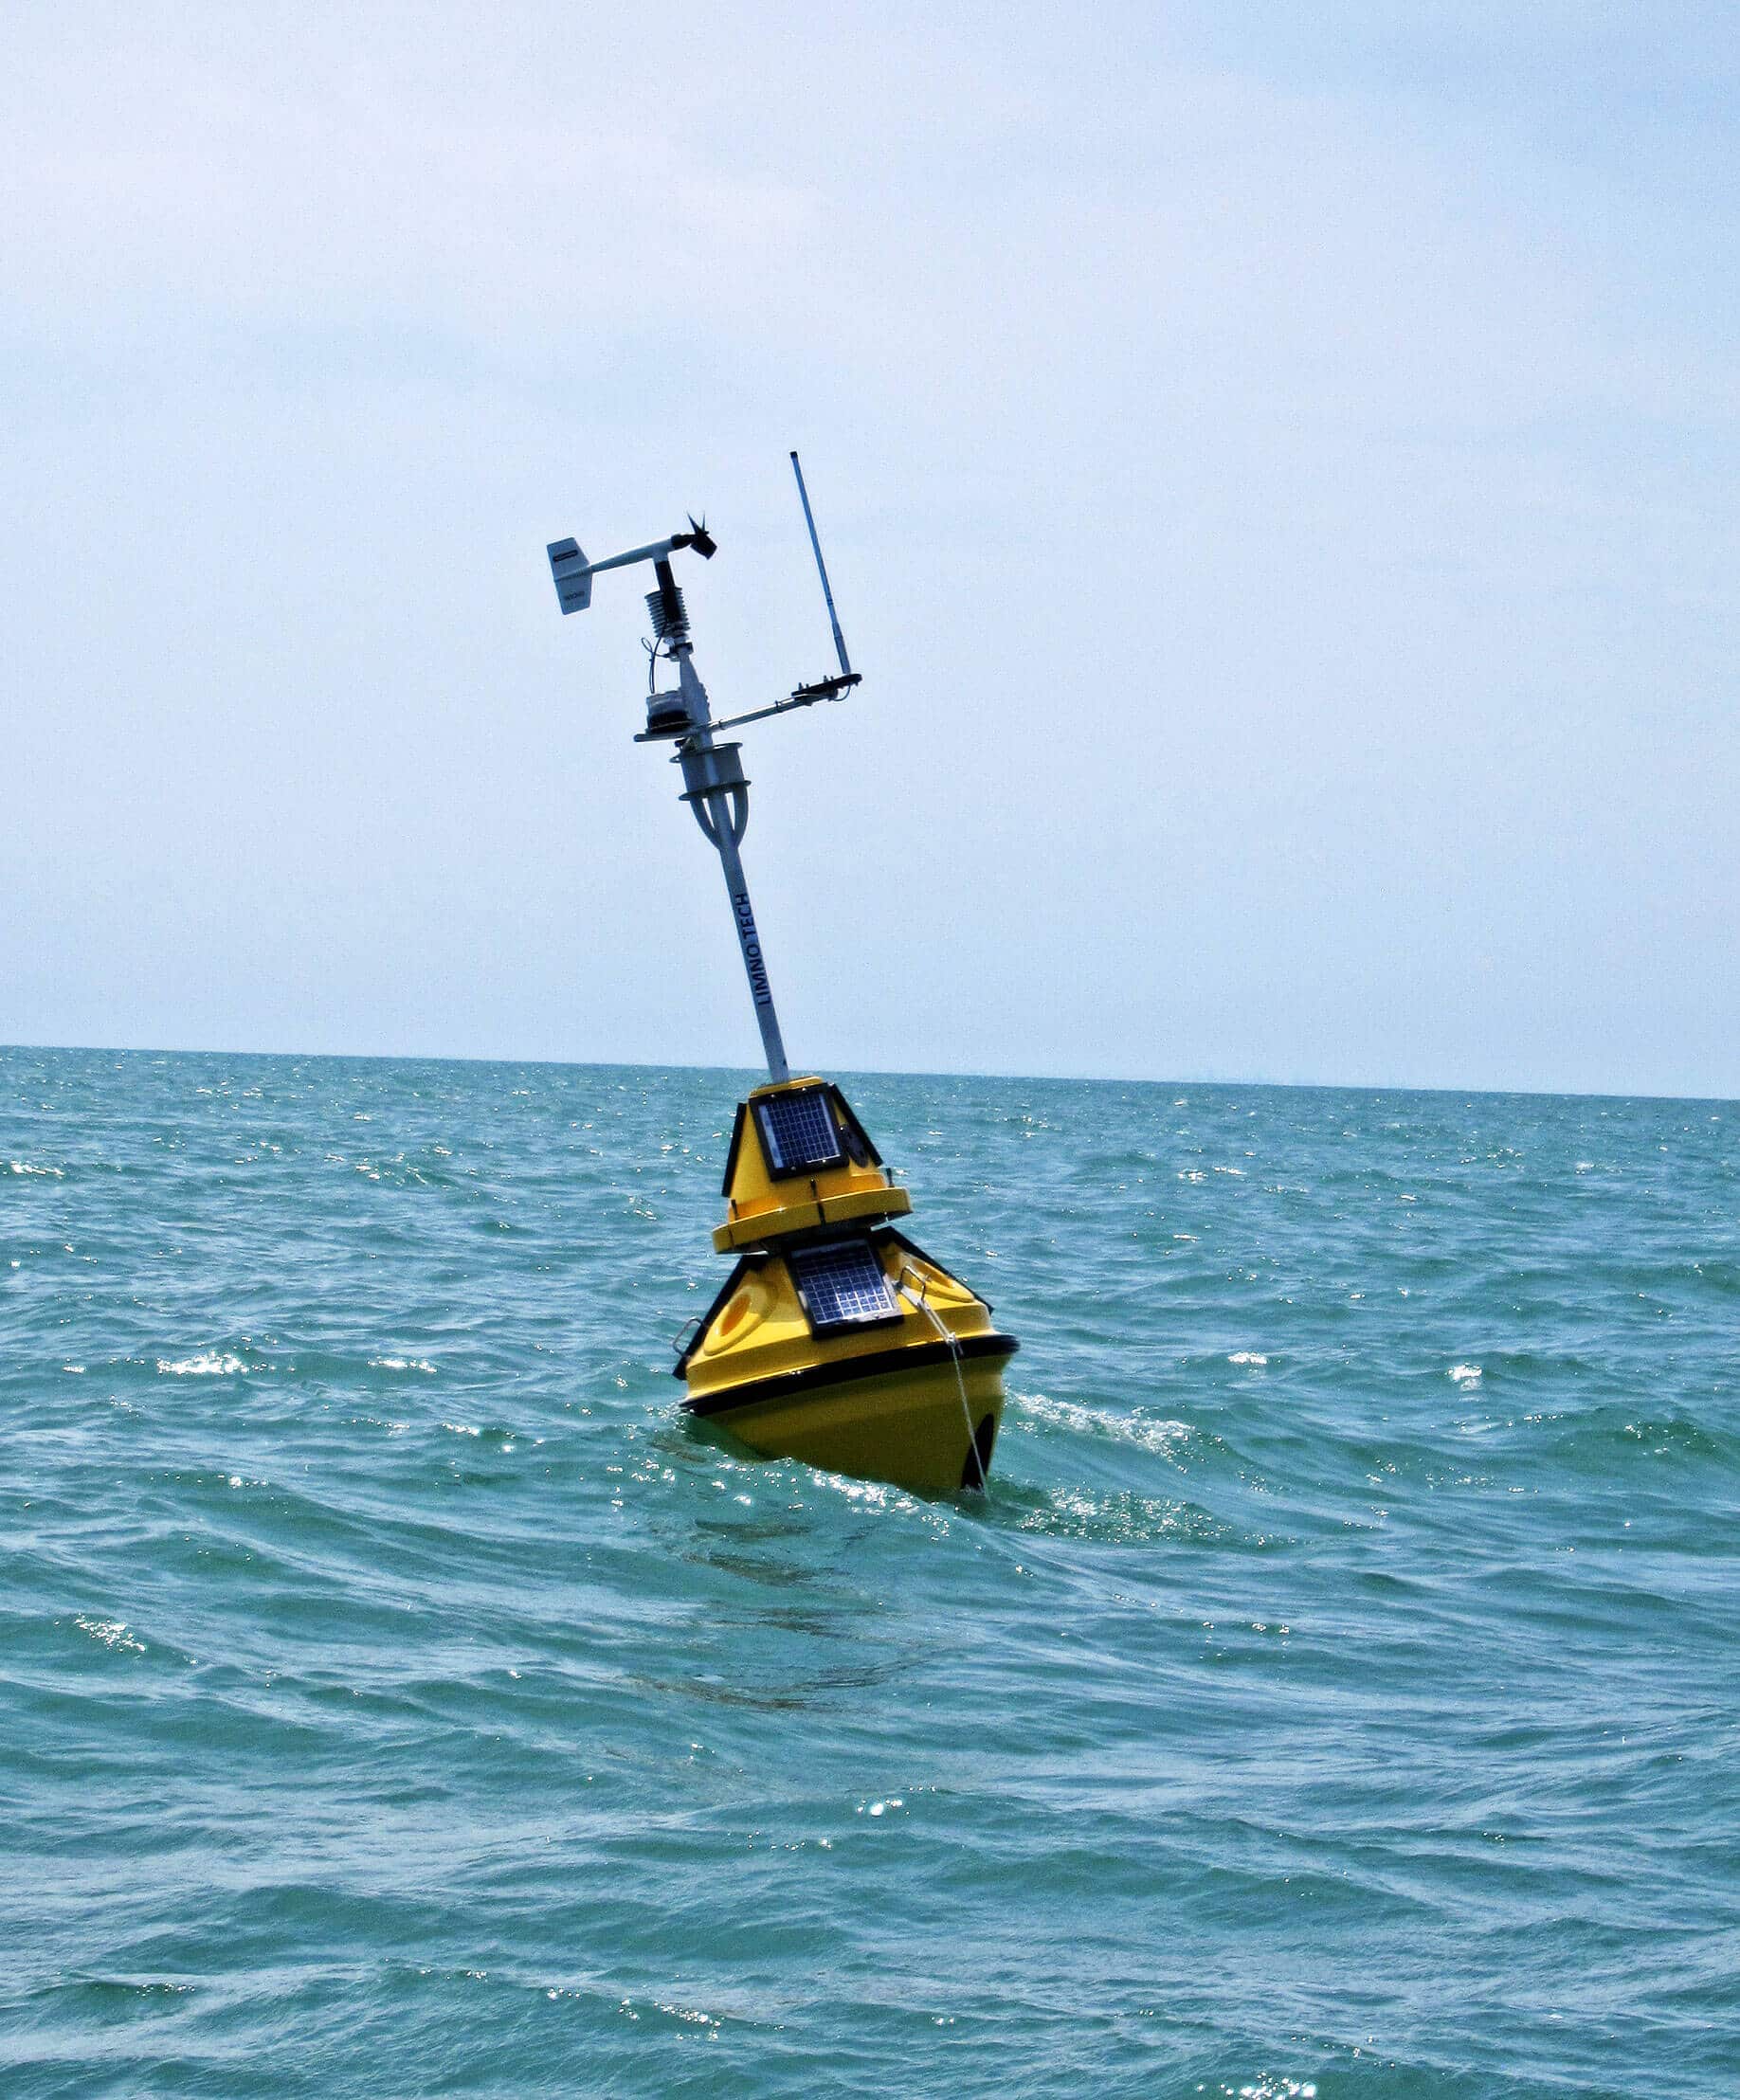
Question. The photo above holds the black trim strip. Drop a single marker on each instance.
(782, 1385)
(731, 1157)
(847, 1116)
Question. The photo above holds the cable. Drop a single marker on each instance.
(952, 1343)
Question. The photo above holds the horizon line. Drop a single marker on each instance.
(882, 1072)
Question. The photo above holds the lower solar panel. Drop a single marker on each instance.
(843, 1285)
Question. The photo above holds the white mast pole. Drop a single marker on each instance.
(718, 791)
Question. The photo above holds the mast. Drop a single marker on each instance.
(715, 784)
(716, 789)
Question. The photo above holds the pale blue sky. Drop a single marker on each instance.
(1276, 465)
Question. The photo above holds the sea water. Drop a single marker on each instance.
(1337, 1689)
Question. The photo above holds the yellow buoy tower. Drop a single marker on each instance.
(835, 1338)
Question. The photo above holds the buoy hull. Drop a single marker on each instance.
(836, 1339)
(905, 1424)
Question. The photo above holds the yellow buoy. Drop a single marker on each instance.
(835, 1339)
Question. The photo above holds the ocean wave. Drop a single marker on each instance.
(1116, 1516)
(1160, 1435)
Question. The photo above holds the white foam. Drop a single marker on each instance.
(401, 1364)
(1247, 1356)
(1465, 1374)
(23, 1167)
(209, 1363)
(1138, 1428)
(111, 1632)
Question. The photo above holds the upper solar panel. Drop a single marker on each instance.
(798, 1131)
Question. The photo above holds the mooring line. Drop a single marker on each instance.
(953, 1346)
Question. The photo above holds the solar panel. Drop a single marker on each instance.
(843, 1285)
(798, 1131)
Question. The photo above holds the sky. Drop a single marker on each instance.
(1275, 465)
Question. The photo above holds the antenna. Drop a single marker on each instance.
(840, 648)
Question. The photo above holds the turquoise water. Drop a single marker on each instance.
(1338, 1686)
